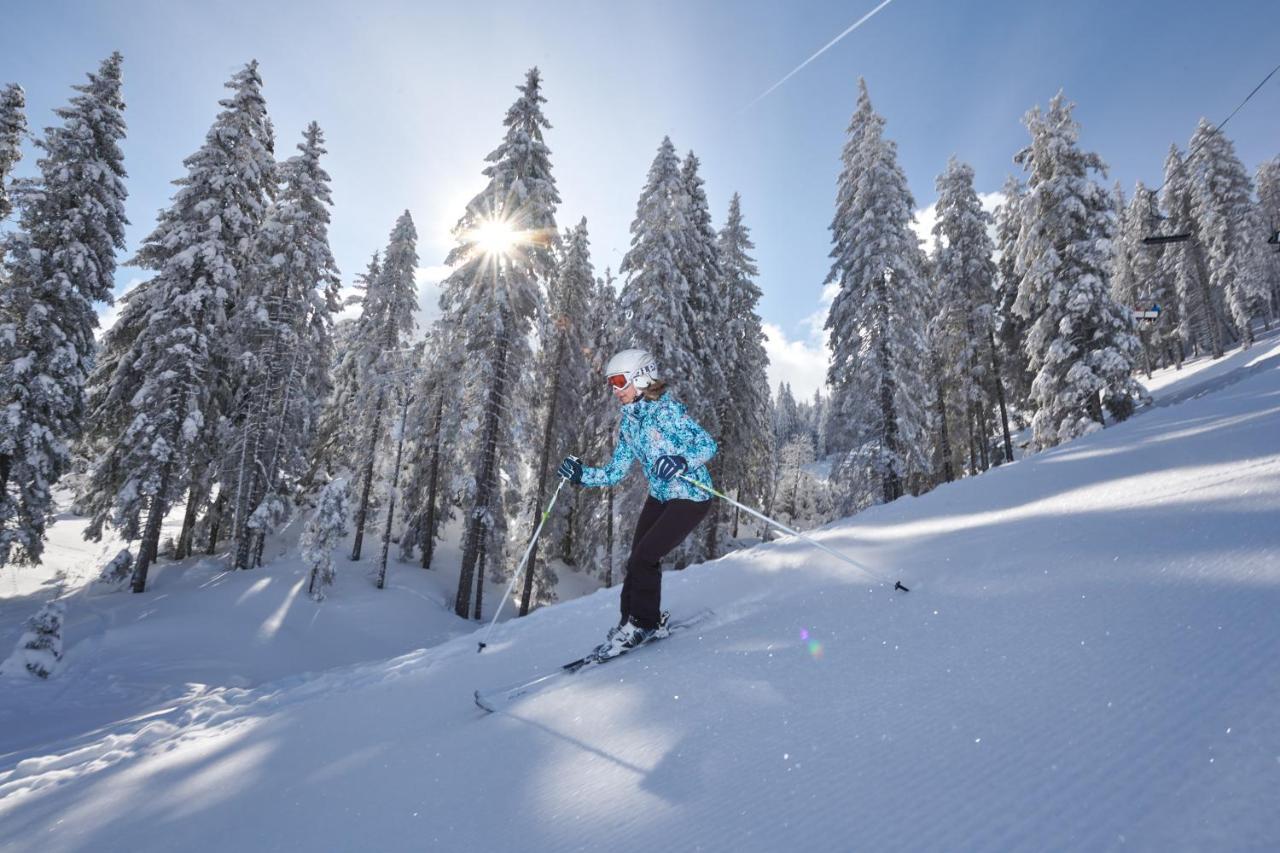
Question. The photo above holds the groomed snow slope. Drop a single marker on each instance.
(1088, 660)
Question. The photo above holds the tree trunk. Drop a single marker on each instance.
(544, 459)
(485, 476)
(428, 532)
(1210, 309)
(608, 540)
(484, 555)
(195, 497)
(215, 522)
(363, 514)
(391, 500)
(1004, 411)
(151, 533)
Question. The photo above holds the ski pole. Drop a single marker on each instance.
(778, 524)
(527, 551)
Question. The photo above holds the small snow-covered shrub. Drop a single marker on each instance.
(325, 529)
(39, 650)
(118, 571)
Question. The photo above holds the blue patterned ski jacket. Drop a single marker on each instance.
(653, 428)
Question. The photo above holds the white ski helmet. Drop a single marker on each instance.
(638, 366)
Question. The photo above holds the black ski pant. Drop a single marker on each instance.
(661, 527)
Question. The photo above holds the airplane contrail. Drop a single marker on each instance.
(824, 49)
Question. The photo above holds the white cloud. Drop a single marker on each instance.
(925, 218)
(801, 362)
(108, 314)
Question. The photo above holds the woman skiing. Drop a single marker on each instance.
(655, 430)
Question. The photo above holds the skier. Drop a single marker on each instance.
(655, 430)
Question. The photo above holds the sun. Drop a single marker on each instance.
(495, 237)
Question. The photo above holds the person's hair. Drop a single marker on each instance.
(655, 390)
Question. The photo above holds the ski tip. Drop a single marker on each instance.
(480, 703)
(898, 585)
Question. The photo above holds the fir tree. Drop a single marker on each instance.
(1009, 327)
(324, 531)
(60, 261)
(386, 322)
(1079, 342)
(283, 327)
(593, 512)
(1200, 317)
(1268, 182)
(962, 325)
(1136, 282)
(199, 252)
(876, 319)
(13, 127)
(564, 361)
(493, 295)
(1223, 212)
(744, 421)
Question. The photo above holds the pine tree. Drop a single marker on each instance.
(13, 127)
(59, 262)
(1136, 282)
(656, 296)
(744, 422)
(963, 324)
(283, 327)
(1010, 328)
(503, 253)
(1184, 263)
(435, 421)
(593, 517)
(386, 322)
(1079, 342)
(323, 533)
(803, 501)
(1223, 212)
(199, 252)
(1268, 182)
(564, 362)
(876, 319)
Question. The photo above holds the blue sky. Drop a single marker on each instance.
(411, 97)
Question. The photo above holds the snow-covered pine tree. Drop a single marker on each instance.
(1136, 282)
(1010, 327)
(1268, 182)
(504, 251)
(877, 318)
(1200, 324)
(13, 127)
(323, 533)
(39, 649)
(965, 275)
(60, 261)
(655, 297)
(1079, 341)
(803, 500)
(565, 364)
(282, 329)
(1223, 213)
(593, 543)
(386, 323)
(786, 415)
(744, 419)
(199, 252)
(333, 448)
(435, 420)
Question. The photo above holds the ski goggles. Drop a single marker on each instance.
(618, 380)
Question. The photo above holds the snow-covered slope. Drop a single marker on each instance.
(1087, 660)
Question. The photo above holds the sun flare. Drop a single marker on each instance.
(495, 237)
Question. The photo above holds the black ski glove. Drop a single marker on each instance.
(667, 467)
(570, 469)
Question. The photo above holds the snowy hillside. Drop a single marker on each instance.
(1087, 661)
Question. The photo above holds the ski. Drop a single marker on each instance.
(494, 700)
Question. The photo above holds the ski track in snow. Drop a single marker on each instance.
(1087, 661)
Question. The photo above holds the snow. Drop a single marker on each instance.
(1086, 661)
